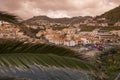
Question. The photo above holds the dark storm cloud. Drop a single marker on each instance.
(57, 8)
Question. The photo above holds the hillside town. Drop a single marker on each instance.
(93, 22)
(71, 37)
(60, 40)
(44, 22)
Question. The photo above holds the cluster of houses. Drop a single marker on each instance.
(96, 22)
(6, 32)
(73, 36)
(93, 22)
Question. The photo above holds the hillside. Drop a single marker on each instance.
(38, 20)
(38, 23)
(112, 15)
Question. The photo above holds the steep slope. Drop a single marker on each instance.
(112, 15)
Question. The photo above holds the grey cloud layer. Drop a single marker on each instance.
(57, 8)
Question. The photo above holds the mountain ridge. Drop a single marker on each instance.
(64, 20)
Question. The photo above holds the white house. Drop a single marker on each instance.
(60, 41)
(70, 43)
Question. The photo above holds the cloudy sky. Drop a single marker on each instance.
(57, 8)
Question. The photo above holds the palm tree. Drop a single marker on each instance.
(13, 19)
(8, 17)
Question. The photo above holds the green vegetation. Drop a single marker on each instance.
(109, 63)
(4, 16)
(45, 60)
(58, 27)
(105, 66)
(89, 28)
(111, 28)
(13, 46)
(19, 53)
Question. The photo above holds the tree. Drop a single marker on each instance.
(8, 17)
(13, 19)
